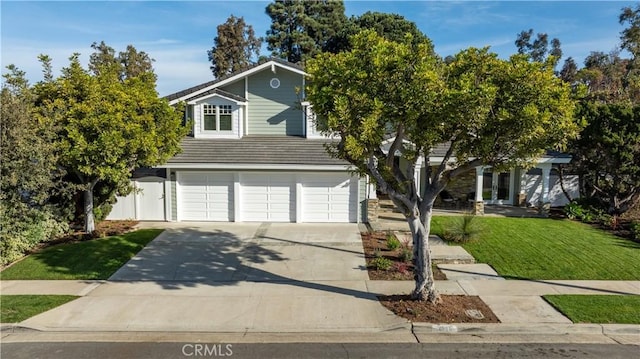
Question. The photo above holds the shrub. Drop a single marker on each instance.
(393, 243)
(406, 254)
(401, 267)
(382, 263)
(635, 230)
(463, 229)
(18, 237)
(573, 210)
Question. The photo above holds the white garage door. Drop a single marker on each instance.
(267, 197)
(328, 198)
(205, 196)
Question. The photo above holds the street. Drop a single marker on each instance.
(78, 350)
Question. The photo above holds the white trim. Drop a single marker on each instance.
(239, 76)
(237, 197)
(167, 196)
(246, 112)
(196, 100)
(178, 206)
(299, 202)
(256, 166)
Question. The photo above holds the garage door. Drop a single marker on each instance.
(267, 197)
(147, 204)
(205, 196)
(328, 198)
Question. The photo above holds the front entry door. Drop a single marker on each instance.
(497, 187)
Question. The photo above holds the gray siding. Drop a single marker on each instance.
(275, 111)
(236, 88)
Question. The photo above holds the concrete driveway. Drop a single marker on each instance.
(235, 277)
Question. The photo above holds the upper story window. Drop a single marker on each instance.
(217, 117)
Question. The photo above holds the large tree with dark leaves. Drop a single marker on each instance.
(607, 154)
(301, 29)
(234, 48)
(392, 27)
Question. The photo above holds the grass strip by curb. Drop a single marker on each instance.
(93, 259)
(16, 308)
(601, 309)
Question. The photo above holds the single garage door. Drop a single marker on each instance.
(205, 196)
(328, 198)
(147, 204)
(267, 197)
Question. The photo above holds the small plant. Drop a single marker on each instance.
(393, 243)
(377, 253)
(574, 210)
(401, 267)
(635, 230)
(406, 254)
(381, 263)
(463, 229)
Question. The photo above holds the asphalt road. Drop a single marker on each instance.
(315, 350)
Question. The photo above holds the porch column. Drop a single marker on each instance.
(522, 194)
(416, 176)
(544, 204)
(478, 206)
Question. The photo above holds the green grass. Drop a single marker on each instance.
(16, 308)
(95, 259)
(620, 309)
(540, 248)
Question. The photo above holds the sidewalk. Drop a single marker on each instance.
(162, 307)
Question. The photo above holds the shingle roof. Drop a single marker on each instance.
(218, 92)
(193, 89)
(255, 150)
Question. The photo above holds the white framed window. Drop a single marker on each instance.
(217, 118)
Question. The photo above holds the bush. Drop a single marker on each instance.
(393, 243)
(19, 237)
(463, 229)
(635, 230)
(382, 263)
(401, 267)
(406, 254)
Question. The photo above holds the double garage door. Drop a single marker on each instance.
(266, 197)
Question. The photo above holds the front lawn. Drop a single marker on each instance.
(16, 308)
(621, 309)
(94, 259)
(540, 248)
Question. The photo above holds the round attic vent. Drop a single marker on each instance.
(274, 83)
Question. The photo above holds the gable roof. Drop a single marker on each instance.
(218, 92)
(194, 91)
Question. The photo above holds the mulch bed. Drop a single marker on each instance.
(103, 229)
(400, 270)
(451, 309)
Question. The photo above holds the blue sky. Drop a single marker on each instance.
(178, 34)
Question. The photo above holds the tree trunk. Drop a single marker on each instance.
(89, 221)
(423, 274)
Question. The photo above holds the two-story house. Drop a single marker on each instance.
(253, 155)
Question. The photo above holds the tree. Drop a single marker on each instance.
(300, 29)
(392, 27)
(234, 47)
(569, 70)
(607, 155)
(539, 49)
(29, 177)
(107, 124)
(494, 112)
